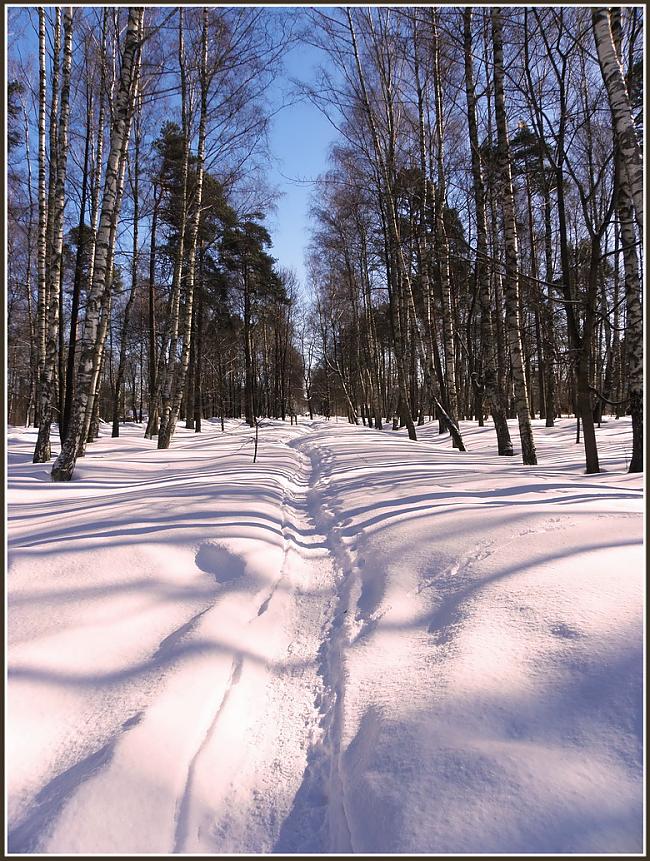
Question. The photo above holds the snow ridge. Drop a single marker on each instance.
(184, 806)
(26, 836)
(319, 818)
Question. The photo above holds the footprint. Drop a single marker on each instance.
(561, 629)
(216, 560)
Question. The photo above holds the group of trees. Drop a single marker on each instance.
(476, 246)
(478, 238)
(140, 278)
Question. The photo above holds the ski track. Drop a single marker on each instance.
(297, 508)
(183, 814)
(334, 605)
(323, 777)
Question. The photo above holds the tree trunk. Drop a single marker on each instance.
(511, 287)
(76, 288)
(121, 367)
(63, 467)
(170, 411)
(619, 102)
(41, 313)
(42, 449)
(441, 237)
(548, 327)
(152, 419)
(493, 397)
(632, 283)
(33, 343)
(198, 358)
(391, 229)
(634, 322)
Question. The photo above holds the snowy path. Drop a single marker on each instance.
(358, 644)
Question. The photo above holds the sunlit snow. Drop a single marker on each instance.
(357, 644)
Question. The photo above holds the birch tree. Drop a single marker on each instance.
(135, 187)
(396, 256)
(619, 102)
(177, 380)
(441, 232)
(632, 282)
(42, 451)
(494, 397)
(86, 236)
(63, 467)
(511, 281)
(42, 216)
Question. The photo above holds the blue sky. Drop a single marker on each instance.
(300, 141)
(300, 138)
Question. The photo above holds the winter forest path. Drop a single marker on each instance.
(357, 644)
(232, 737)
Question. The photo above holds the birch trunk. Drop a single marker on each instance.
(91, 417)
(152, 418)
(392, 230)
(511, 281)
(619, 102)
(632, 285)
(33, 345)
(167, 369)
(493, 397)
(441, 235)
(76, 290)
(548, 325)
(95, 207)
(42, 450)
(197, 394)
(373, 353)
(121, 366)
(634, 323)
(63, 467)
(166, 432)
(54, 107)
(41, 312)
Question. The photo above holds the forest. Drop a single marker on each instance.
(325, 439)
(476, 237)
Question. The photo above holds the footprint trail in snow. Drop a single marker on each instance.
(357, 644)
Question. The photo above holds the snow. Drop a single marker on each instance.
(357, 644)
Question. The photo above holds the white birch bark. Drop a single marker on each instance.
(63, 467)
(42, 212)
(493, 397)
(619, 102)
(53, 286)
(441, 234)
(632, 284)
(33, 345)
(91, 417)
(393, 231)
(167, 431)
(167, 369)
(511, 280)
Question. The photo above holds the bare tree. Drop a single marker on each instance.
(619, 102)
(55, 229)
(494, 397)
(511, 287)
(123, 107)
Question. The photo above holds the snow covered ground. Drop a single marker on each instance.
(356, 644)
